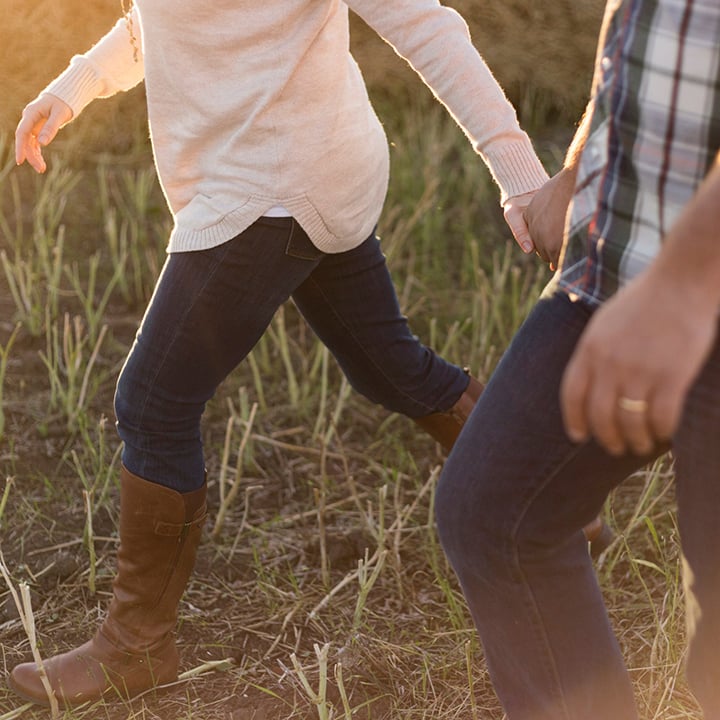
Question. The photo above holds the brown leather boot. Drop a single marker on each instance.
(445, 427)
(134, 648)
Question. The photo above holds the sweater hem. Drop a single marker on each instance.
(234, 223)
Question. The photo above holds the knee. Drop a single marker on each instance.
(126, 403)
(149, 406)
(460, 514)
(476, 520)
(140, 409)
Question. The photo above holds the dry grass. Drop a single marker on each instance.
(324, 570)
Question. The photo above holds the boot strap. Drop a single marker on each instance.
(167, 529)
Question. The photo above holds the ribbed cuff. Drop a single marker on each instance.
(78, 85)
(515, 167)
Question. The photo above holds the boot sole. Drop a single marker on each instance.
(110, 695)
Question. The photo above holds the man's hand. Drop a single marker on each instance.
(628, 378)
(514, 212)
(627, 381)
(545, 215)
(39, 125)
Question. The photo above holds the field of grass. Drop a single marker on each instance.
(320, 590)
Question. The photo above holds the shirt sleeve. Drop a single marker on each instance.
(113, 64)
(435, 41)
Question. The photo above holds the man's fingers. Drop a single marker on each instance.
(573, 398)
(603, 418)
(633, 419)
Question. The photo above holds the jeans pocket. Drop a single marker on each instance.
(300, 246)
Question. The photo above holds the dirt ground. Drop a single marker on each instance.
(251, 599)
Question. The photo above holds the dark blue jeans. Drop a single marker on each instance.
(512, 500)
(209, 309)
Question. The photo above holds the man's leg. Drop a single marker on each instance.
(697, 467)
(511, 502)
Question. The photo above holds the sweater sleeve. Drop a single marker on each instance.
(113, 64)
(435, 41)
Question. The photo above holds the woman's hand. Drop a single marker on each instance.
(514, 212)
(39, 125)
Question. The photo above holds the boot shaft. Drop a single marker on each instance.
(445, 427)
(160, 531)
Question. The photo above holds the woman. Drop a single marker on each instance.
(275, 168)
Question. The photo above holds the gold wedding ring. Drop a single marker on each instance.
(635, 406)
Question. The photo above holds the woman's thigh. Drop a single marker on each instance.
(208, 310)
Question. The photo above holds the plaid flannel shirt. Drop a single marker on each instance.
(654, 133)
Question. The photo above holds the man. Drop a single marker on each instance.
(619, 360)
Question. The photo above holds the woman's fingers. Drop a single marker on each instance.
(38, 127)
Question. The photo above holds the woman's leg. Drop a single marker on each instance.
(208, 310)
(511, 502)
(349, 301)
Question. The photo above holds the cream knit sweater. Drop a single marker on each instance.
(258, 103)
